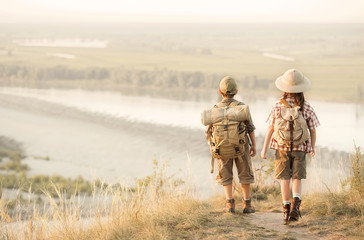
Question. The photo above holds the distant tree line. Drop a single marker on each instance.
(159, 78)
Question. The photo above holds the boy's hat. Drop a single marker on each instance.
(293, 81)
(228, 85)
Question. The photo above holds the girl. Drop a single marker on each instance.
(292, 123)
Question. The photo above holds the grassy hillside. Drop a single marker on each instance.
(163, 206)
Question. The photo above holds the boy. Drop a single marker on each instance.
(228, 89)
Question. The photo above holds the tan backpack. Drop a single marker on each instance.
(226, 132)
(290, 128)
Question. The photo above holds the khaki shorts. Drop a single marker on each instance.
(290, 165)
(225, 170)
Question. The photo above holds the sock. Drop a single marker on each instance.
(246, 199)
(297, 195)
(286, 202)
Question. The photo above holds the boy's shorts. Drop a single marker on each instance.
(225, 170)
(290, 165)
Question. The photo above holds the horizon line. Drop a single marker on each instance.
(179, 22)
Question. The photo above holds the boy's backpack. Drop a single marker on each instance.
(226, 132)
(290, 128)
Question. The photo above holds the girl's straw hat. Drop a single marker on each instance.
(293, 81)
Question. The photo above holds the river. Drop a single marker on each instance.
(114, 137)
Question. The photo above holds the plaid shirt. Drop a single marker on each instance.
(308, 114)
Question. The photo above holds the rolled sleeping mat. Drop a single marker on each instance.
(236, 113)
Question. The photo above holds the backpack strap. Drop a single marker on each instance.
(239, 154)
(230, 104)
(285, 103)
(234, 103)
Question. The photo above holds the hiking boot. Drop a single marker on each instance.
(295, 209)
(247, 206)
(286, 211)
(230, 206)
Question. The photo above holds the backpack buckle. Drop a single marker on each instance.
(237, 150)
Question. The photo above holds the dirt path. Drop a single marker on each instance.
(273, 221)
(260, 225)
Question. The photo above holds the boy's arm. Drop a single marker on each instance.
(253, 149)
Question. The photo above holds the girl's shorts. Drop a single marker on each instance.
(290, 165)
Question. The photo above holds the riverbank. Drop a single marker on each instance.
(160, 111)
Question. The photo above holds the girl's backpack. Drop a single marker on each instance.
(290, 128)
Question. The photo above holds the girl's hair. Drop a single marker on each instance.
(299, 98)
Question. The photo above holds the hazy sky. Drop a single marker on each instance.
(182, 11)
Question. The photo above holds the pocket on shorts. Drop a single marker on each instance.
(280, 164)
(281, 155)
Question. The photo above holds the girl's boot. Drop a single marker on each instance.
(286, 211)
(295, 210)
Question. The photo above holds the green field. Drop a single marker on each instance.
(332, 56)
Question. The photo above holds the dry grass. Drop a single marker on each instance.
(156, 209)
(163, 207)
(340, 214)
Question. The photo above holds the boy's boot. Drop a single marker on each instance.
(247, 206)
(286, 211)
(295, 210)
(230, 206)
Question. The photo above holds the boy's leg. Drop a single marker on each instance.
(247, 206)
(224, 177)
(246, 177)
(230, 202)
(228, 191)
(246, 191)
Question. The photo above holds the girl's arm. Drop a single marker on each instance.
(313, 141)
(266, 142)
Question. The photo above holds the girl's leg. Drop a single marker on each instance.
(296, 201)
(296, 187)
(285, 190)
(285, 197)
